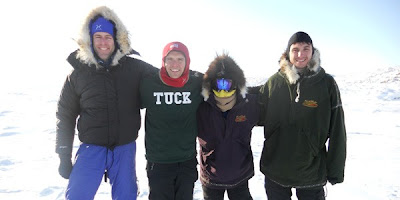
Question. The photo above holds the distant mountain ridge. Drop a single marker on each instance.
(383, 83)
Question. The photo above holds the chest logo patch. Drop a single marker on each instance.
(310, 103)
(240, 118)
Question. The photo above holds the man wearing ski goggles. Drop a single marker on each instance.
(223, 88)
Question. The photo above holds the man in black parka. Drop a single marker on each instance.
(101, 96)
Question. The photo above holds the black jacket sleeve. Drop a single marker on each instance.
(68, 110)
(336, 156)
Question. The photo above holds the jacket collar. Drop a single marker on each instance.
(290, 71)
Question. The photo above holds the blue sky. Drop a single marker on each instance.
(351, 35)
(363, 33)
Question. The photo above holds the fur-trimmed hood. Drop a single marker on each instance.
(85, 53)
(290, 71)
(224, 66)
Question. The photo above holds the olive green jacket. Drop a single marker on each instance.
(304, 128)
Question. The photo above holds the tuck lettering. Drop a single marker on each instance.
(172, 97)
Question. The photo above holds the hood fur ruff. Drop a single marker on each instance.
(290, 70)
(231, 71)
(85, 53)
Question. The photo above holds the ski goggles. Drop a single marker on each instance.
(223, 88)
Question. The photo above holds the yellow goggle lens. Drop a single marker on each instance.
(223, 93)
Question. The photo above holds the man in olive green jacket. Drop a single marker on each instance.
(301, 113)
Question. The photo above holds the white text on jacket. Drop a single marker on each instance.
(173, 97)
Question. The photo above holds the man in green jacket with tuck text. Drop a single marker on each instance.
(171, 98)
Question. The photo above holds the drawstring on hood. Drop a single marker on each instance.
(298, 92)
(293, 74)
(290, 71)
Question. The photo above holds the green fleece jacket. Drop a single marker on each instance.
(170, 123)
(303, 119)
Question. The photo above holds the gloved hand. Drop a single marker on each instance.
(65, 167)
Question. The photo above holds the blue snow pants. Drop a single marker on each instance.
(91, 163)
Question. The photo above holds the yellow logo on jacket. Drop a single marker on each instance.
(310, 103)
(240, 118)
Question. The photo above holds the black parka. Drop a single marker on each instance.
(104, 102)
(226, 158)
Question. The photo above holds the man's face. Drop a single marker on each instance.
(103, 44)
(300, 54)
(175, 63)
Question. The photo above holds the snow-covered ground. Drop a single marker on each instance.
(28, 163)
